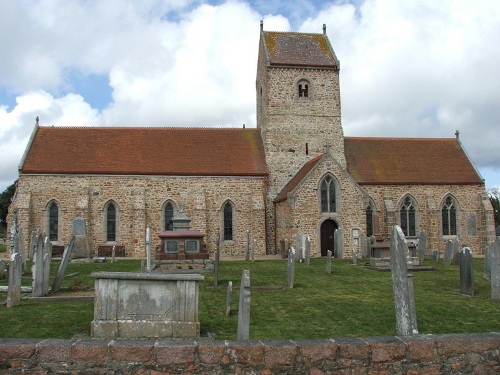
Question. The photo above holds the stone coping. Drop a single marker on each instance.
(147, 276)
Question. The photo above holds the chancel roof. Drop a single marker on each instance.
(146, 151)
(415, 161)
(299, 49)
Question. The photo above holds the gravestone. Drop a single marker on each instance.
(37, 266)
(369, 244)
(448, 253)
(466, 272)
(247, 244)
(363, 244)
(328, 261)
(113, 258)
(338, 240)
(402, 284)
(217, 260)
(494, 252)
(81, 247)
(15, 277)
(308, 250)
(354, 256)
(422, 245)
(229, 297)
(456, 252)
(32, 244)
(2, 269)
(149, 261)
(243, 332)
(56, 285)
(20, 249)
(47, 259)
(291, 267)
(436, 256)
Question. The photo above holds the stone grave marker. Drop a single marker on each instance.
(217, 260)
(466, 272)
(81, 248)
(436, 256)
(422, 245)
(229, 297)
(247, 245)
(495, 269)
(402, 283)
(338, 240)
(149, 260)
(20, 249)
(15, 277)
(308, 250)
(113, 258)
(291, 267)
(37, 267)
(56, 285)
(328, 261)
(363, 240)
(354, 256)
(47, 259)
(244, 308)
(448, 253)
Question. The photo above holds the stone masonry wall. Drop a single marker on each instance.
(411, 355)
(140, 200)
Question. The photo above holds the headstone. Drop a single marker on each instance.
(328, 261)
(33, 242)
(229, 297)
(422, 245)
(402, 284)
(244, 308)
(354, 257)
(79, 226)
(435, 256)
(113, 256)
(47, 259)
(2, 269)
(308, 250)
(363, 240)
(15, 277)
(448, 253)
(338, 240)
(495, 269)
(21, 250)
(81, 249)
(37, 267)
(148, 251)
(247, 245)
(217, 261)
(369, 244)
(291, 266)
(466, 272)
(56, 285)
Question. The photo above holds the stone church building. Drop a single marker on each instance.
(296, 173)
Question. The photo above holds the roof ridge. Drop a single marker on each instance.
(402, 138)
(145, 127)
(292, 32)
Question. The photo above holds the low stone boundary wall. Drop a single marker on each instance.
(423, 354)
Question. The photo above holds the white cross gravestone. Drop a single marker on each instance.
(402, 283)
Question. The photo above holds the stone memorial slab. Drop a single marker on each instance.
(422, 246)
(47, 259)
(145, 305)
(79, 227)
(243, 332)
(56, 285)
(37, 266)
(229, 297)
(436, 256)
(402, 283)
(363, 244)
(448, 253)
(354, 255)
(291, 267)
(328, 261)
(338, 240)
(466, 272)
(495, 269)
(15, 277)
(307, 258)
(217, 261)
(149, 262)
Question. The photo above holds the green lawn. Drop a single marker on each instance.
(352, 301)
(3, 248)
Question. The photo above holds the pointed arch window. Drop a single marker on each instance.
(328, 201)
(408, 217)
(449, 217)
(228, 221)
(168, 216)
(53, 222)
(111, 222)
(303, 89)
(369, 221)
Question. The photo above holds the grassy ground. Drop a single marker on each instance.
(352, 301)
(3, 248)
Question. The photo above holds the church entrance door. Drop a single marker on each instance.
(327, 231)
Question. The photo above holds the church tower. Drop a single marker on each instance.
(298, 105)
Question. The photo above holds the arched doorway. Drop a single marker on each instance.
(327, 231)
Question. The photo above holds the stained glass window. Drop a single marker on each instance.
(408, 220)
(111, 222)
(449, 215)
(169, 215)
(228, 221)
(328, 203)
(53, 222)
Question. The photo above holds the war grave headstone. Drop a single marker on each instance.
(229, 297)
(291, 267)
(495, 269)
(56, 285)
(243, 332)
(466, 272)
(328, 261)
(308, 250)
(402, 283)
(448, 253)
(422, 245)
(15, 277)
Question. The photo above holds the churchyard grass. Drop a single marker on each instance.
(351, 301)
(3, 248)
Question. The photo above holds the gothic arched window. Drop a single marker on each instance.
(53, 222)
(111, 220)
(408, 217)
(228, 223)
(449, 217)
(369, 221)
(168, 215)
(303, 89)
(328, 201)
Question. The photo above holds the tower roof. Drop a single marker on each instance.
(299, 49)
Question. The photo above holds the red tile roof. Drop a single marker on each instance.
(146, 151)
(299, 49)
(393, 161)
(299, 176)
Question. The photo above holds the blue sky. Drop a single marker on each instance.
(416, 68)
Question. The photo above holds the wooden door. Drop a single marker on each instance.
(327, 231)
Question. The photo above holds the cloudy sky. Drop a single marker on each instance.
(413, 68)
